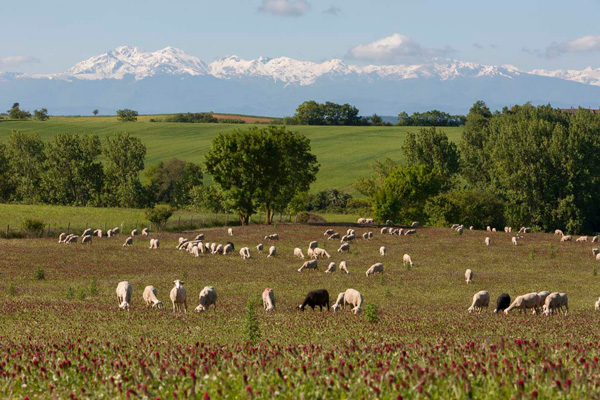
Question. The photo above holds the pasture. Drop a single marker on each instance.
(57, 339)
(344, 152)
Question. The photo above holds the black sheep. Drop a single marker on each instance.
(503, 302)
(316, 298)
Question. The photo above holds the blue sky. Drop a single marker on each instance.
(48, 37)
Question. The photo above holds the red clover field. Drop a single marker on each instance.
(62, 334)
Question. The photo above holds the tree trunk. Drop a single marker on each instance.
(244, 219)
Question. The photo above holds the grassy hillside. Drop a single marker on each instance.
(344, 152)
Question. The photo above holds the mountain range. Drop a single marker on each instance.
(170, 80)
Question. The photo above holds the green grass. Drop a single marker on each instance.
(343, 152)
(57, 338)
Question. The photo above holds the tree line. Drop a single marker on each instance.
(521, 166)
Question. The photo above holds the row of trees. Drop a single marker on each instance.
(534, 166)
(430, 118)
(15, 112)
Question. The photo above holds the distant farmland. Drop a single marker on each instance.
(343, 152)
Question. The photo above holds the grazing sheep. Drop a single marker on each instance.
(407, 260)
(564, 303)
(480, 300)
(524, 230)
(384, 230)
(375, 269)
(199, 236)
(353, 298)
(311, 264)
(309, 252)
(559, 232)
(331, 268)
(382, 250)
(218, 249)
(595, 252)
(566, 238)
(524, 302)
(154, 243)
(365, 235)
(109, 233)
(454, 226)
(595, 239)
(87, 239)
(400, 232)
(488, 228)
(320, 253)
(72, 239)
(459, 230)
(468, 276)
(124, 291)
(502, 303)
(134, 232)
(348, 238)
(494, 230)
(145, 232)
(259, 247)
(313, 245)
(389, 222)
(272, 252)
(334, 236)
(230, 231)
(339, 302)
(195, 251)
(344, 248)
(87, 232)
(551, 304)
(228, 249)
(116, 231)
(61, 237)
(350, 232)
(415, 224)
(597, 305)
(328, 232)
(514, 240)
(542, 299)
(507, 229)
(268, 299)
(487, 241)
(245, 252)
(208, 297)
(597, 257)
(362, 221)
(316, 298)
(128, 242)
(274, 236)
(370, 235)
(298, 252)
(582, 239)
(344, 267)
(409, 232)
(370, 220)
(471, 227)
(150, 297)
(178, 297)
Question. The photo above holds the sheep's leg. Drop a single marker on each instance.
(185, 306)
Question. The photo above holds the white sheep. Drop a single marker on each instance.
(298, 252)
(468, 276)
(400, 232)
(116, 231)
(87, 232)
(595, 252)
(178, 297)
(87, 239)
(344, 248)
(595, 239)
(150, 296)
(71, 239)
(268, 299)
(207, 297)
(62, 237)
(272, 252)
(564, 303)
(230, 231)
(311, 264)
(493, 229)
(480, 300)
(339, 302)
(245, 252)
(566, 238)
(313, 245)
(259, 247)
(331, 268)
(195, 251)
(488, 228)
(487, 241)
(354, 299)
(407, 260)
(109, 233)
(218, 249)
(597, 257)
(154, 244)
(507, 229)
(274, 236)
(581, 239)
(362, 221)
(382, 251)
(409, 232)
(199, 236)
(98, 233)
(471, 227)
(344, 267)
(365, 235)
(524, 302)
(559, 232)
(384, 231)
(551, 304)
(124, 291)
(370, 235)
(454, 226)
(542, 299)
(597, 305)
(514, 240)
(228, 249)
(350, 232)
(134, 232)
(128, 242)
(328, 232)
(334, 236)
(374, 269)
(320, 253)
(459, 230)
(415, 224)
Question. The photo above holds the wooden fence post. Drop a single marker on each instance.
(68, 228)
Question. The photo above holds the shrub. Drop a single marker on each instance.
(359, 206)
(469, 207)
(372, 313)
(159, 215)
(39, 274)
(251, 327)
(33, 226)
(306, 217)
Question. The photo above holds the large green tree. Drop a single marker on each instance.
(261, 167)
(171, 181)
(6, 188)
(25, 157)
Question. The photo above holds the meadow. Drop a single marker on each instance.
(64, 335)
(343, 152)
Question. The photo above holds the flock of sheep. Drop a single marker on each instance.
(544, 302)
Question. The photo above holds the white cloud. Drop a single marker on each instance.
(584, 44)
(333, 10)
(287, 8)
(16, 61)
(396, 48)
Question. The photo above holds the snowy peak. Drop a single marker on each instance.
(133, 61)
(588, 76)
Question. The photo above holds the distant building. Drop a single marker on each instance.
(574, 110)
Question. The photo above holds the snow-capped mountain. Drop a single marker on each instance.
(170, 80)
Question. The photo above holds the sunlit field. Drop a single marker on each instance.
(58, 339)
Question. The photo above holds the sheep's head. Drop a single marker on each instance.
(158, 304)
(496, 311)
(200, 308)
(471, 309)
(356, 310)
(301, 307)
(178, 283)
(124, 306)
(336, 307)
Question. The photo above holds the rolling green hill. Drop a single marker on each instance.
(343, 152)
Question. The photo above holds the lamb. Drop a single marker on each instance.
(272, 252)
(316, 298)
(487, 241)
(597, 305)
(334, 236)
(339, 302)
(502, 303)
(245, 252)
(313, 245)
(514, 240)
(178, 297)
(415, 224)
(344, 267)
(320, 253)
(274, 236)
(384, 230)
(468, 276)
(374, 269)
(208, 297)
(524, 302)
(311, 264)
(259, 247)
(128, 242)
(344, 248)
(124, 291)
(566, 238)
(268, 299)
(407, 260)
(134, 232)
(480, 300)
(559, 232)
(87, 239)
(228, 249)
(87, 232)
(154, 243)
(331, 268)
(199, 236)
(410, 232)
(582, 239)
(328, 232)
(552, 303)
(61, 237)
(150, 297)
(382, 251)
(298, 252)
